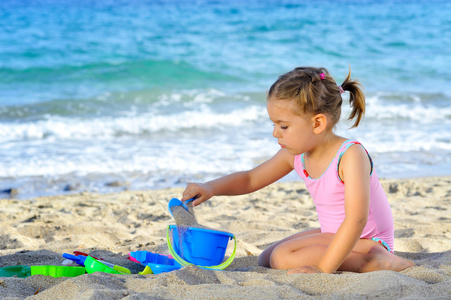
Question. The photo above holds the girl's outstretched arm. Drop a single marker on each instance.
(244, 182)
(355, 169)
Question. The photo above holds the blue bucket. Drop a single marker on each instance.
(201, 247)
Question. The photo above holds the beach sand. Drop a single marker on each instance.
(38, 231)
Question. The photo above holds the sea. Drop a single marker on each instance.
(104, 96)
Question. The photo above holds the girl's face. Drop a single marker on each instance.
(293, 132)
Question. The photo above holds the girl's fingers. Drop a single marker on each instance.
(187, 193)
(196, 190)
(187, 197)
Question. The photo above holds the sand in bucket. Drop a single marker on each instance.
(183, 220)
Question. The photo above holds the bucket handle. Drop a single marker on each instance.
(185, 263)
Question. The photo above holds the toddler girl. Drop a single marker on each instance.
(356, 231)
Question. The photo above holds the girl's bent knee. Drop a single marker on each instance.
(277, 264)
(263, 260)
(277, 261)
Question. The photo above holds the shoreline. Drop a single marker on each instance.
(26, 188)
(37, 231)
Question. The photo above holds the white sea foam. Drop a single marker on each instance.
(109, 127)
(414, 110)
(205, 140)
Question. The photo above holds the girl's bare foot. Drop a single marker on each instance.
(380, 259)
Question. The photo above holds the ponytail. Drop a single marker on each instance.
(356, 98)
(314, 91)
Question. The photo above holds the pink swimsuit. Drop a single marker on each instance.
(328, 193)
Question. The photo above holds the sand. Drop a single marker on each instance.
(38, 231)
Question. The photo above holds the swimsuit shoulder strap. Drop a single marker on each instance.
(344, 147)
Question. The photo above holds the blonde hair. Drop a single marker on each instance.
(314, 91)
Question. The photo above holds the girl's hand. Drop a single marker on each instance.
(201, 191)
(305, 269)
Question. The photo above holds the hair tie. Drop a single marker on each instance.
(341, 89)
(322, 76)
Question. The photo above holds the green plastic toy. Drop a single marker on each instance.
(19, 271)
(92, 265)
(57, 271)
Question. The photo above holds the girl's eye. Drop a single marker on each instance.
(283, 127)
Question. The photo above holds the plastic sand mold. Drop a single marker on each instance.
(19, 271)
(57, 271)
(92, 265)
(201, 247)
(157, 263)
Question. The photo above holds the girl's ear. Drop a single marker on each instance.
(319, 123)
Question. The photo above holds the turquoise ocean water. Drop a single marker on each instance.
(107, 95)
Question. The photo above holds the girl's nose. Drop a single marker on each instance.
(275, 132)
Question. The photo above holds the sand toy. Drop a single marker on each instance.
(94, 265)
(19, 271)
(79, 253)
(157, 263)
(194, 244)
(57, 271)
(177, 202)
(79, 259)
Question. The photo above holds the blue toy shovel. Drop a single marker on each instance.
(177, 202)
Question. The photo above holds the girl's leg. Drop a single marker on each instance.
(308, 250)
(263, 258)
(377, 258)
(300, 251)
